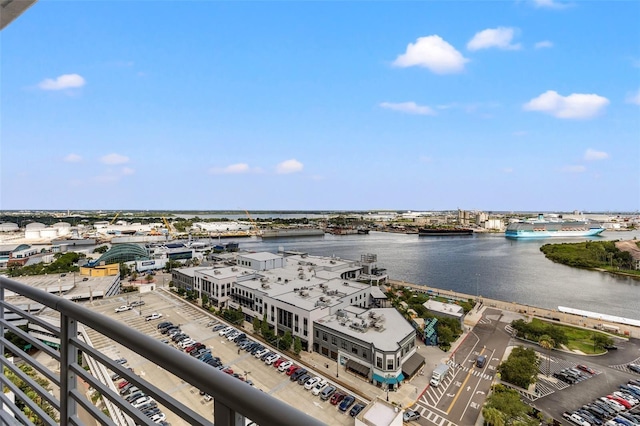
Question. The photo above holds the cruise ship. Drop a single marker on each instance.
(541, 228)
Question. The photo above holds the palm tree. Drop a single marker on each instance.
(493, 416)
(546, 342)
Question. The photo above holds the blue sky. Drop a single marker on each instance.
(522, 105)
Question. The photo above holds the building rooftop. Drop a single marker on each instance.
(380, 413)
(444, 308)
(261, 256)
(383, 327)
(71, 286)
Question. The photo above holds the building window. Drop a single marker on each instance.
(378, 362)
(324, 336)
(364, 355)
(334, 341)
(343, 344)
(354, 350)
(317, 333)
(390, 364)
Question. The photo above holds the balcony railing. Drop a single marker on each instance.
(234, 401)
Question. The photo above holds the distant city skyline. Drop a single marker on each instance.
(429, 106)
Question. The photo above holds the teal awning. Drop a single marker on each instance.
(380, 379)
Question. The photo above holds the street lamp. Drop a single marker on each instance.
(387, 377)
(338, 365)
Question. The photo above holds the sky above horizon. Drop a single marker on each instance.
(432, 105)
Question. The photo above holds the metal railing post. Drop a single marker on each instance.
(225, 416)
(68, 379)
(2, 331)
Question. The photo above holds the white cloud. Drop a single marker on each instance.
(408, 107)
(634, 98)
(113, 159)
(543, 44)
(231, 169)
(576, 105)
(507, 170)
(550, 4)
(592, 155)
(72, 158)
(500, 38)
(289, 166)
(573, 169)
(126, 171)
(433, 53)
(65, 81)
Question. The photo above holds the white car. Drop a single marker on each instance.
(311, 382)
(157, 418)
(232, 335)
(262, 352)
(187, 342)
(317, 388)
(614, 404)
(284, 366)
(632, 400)
(273, 358)
(141, 401)
(226, 331)
(153, 316)
(123, 308)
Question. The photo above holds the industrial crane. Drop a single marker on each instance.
(168, 225)
(253, 222)
(114, 219)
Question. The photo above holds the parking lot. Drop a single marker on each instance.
(195, 322)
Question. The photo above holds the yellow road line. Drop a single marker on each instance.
(455, 398)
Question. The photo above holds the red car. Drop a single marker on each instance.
(336, 398)
(278, 362)
(292, 369)
(228, 370)
(122, 384)
(621, 401)
(586, 369)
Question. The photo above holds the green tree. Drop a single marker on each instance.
(101, 249)
(601, 341)
(205, 300)
(257, 325)
(124, 271)
(521, 368)
(507, 401)
(148, 278)
(546, 342)
(264, 328)
(297, 345)
(31, 394)
(493, 416)
(286, 341)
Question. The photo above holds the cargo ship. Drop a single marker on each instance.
(439, 232)
(290, 232)
(541, 228)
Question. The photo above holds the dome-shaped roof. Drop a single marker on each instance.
(123, 253)
(61, 225)
(35, 225)
(8, 226)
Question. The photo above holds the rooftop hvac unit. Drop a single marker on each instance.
(265, 285)
(378, 326)
(300, 268)
(323, 285)
(234, 269)
(264, 279)
(216, 272)
(304, 293)
(345, 283)
(333, 262)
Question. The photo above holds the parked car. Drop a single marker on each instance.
(347, 402)
(327, 392)
(299, 372)
(337, 398)
(284, 366)
(164, 324)
(261, 352)
(153, 316)
(410, 415)
(278, 361)
(121, 360)
(318, 387)
(218, 327)
(586, 369)
(292, 369)
(137, 303)
(312, 382)
(226, 331)
(355, 410)
(126, 387)
(271, 359)
(302, 379)
(634, 367)
(123, 308)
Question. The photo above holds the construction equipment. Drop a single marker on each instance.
(169, 227)
(253, 222)
(114, 219)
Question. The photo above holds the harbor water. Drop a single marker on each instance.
(488, 265)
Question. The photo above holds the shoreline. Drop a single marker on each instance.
(531, 311)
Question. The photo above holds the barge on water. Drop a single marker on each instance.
(439, 232)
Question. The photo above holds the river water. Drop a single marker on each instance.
(489, 265)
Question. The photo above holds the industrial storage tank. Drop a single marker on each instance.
(35, 225)
(49, 233)
(32, 230)
(8, 227)
(63, 228)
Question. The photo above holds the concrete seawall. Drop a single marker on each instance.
(531, 311)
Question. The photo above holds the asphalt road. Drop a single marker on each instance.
(459, 397)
